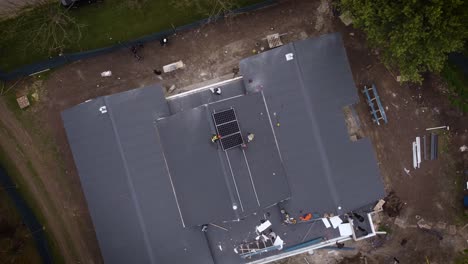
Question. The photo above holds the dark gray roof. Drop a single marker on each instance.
(151, 175)
(123, 174)
(208, 180)
(308, 94)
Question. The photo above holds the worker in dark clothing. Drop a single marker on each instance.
(215, 138)
(163, 41)
(216, 91)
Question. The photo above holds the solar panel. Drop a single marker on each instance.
(228, 128)
(224, 117)
(231, 141)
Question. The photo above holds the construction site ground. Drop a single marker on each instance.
(429, 197)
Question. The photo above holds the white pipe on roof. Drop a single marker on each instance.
(415, 157)
(203, 88)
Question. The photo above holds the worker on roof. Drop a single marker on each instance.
(216, 90)
(306, 217)
(215, 138)
(250, 137)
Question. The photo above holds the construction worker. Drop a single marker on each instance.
(250, 137)
(286, 218)
(216, 90)
(215, 138)
(306, 217)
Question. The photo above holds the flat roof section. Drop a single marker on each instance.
(210, 181)
(123, 174)
(195, 168)
(306, 84)
(258, 168)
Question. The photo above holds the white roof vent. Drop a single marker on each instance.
(103, 109)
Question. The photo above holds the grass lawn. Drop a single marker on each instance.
(102, 24)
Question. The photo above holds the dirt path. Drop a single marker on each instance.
(37, 174)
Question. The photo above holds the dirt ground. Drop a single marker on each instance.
(430, 195)
(8, 8)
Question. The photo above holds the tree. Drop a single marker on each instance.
(414, 35)
(50, 26)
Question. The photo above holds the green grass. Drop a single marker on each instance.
(385, 228)
(458, 86)
(103, 24)
(462, 257)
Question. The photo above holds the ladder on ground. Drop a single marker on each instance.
(373, 100)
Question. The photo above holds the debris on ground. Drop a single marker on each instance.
(106, 73)
(423, 224)
(407, 171)
(393, 205)
(23, 101)
(379, 206)
(463, 148)
(35, 96)
(439, 127)
(171, 89)
(274, 40)
(346, 18)
(173, 66)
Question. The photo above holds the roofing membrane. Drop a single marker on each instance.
(152, 177)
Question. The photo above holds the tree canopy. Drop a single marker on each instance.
(415, 35)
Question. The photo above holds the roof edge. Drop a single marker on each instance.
(203, 88)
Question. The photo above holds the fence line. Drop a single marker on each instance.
(67, 58)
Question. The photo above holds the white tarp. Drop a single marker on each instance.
(278, 242)
(336, 221)
(263, 226)
(326, 222)
(345, 229)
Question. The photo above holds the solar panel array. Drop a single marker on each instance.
(228, 128)
(224, 116)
